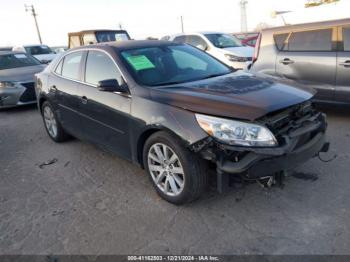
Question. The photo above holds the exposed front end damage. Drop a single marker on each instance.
(300, 131)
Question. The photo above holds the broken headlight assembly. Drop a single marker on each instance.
(237, 133)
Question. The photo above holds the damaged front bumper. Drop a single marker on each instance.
(301, 135)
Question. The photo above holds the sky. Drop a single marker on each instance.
(144, 18)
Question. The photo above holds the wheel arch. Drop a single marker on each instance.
(41, 101)
(146, 134)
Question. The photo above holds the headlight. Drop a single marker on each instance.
(6, 84)
(234, 58)
(236, 133)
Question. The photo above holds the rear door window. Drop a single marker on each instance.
(71, 65)
(315, 40)
(346, 38)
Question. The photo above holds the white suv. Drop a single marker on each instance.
(224, 47)
(41, 52)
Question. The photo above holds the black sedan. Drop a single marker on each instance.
(17, 72)
(175, 110)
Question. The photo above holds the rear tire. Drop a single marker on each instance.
(178, 175)
(51, 123)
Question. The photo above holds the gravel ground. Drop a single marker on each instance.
(91, 202)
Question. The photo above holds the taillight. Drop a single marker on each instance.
(257, 48)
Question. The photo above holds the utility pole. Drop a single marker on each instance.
(182, 24)
(30, 8)
(244, 24)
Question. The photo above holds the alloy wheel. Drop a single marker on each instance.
(50, 121)
(166, 169)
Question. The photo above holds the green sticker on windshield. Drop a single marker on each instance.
(140, 62)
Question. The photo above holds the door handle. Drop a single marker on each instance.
(53, 89)
(84, 100)
(286, 61)
(345, 64)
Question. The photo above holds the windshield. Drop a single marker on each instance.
(39, 50)
(9, 61)
(102, 37)
(164, 65)
(223, 40)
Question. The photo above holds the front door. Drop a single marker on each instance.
(342, 93)
(309, 58)
(105, 115)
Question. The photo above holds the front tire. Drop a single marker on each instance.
(178, 175)
(51, 123)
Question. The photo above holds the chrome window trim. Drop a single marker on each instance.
(85, 83)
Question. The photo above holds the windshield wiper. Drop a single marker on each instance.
(168, 83)
(192, 80)
(214, 75)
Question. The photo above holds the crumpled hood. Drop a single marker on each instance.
(242, 51)
(238, 95)
(21, 74)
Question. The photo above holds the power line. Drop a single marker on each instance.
(30, 8)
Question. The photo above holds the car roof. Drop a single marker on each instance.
(97, 30)
(329, 23)
(130, 44)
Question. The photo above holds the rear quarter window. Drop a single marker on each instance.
(58, 69)
(280, 40)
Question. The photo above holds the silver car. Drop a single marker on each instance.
(314, 54)
(17, 72)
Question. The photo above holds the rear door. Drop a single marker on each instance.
(63, 91)
(105, 115)
(309, 57)
(342, 92)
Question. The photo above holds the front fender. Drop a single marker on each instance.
(150, 115)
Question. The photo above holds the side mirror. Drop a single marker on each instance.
(111, 85)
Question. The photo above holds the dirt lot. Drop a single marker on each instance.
(91, 202)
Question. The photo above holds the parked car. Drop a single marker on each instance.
(315, 54)
(223, 47)
(41, 52)
(17, 78)
(59, 49)
(247, 39)
(250, 41)
(172, 109)
(90, 37)
(6, 48)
